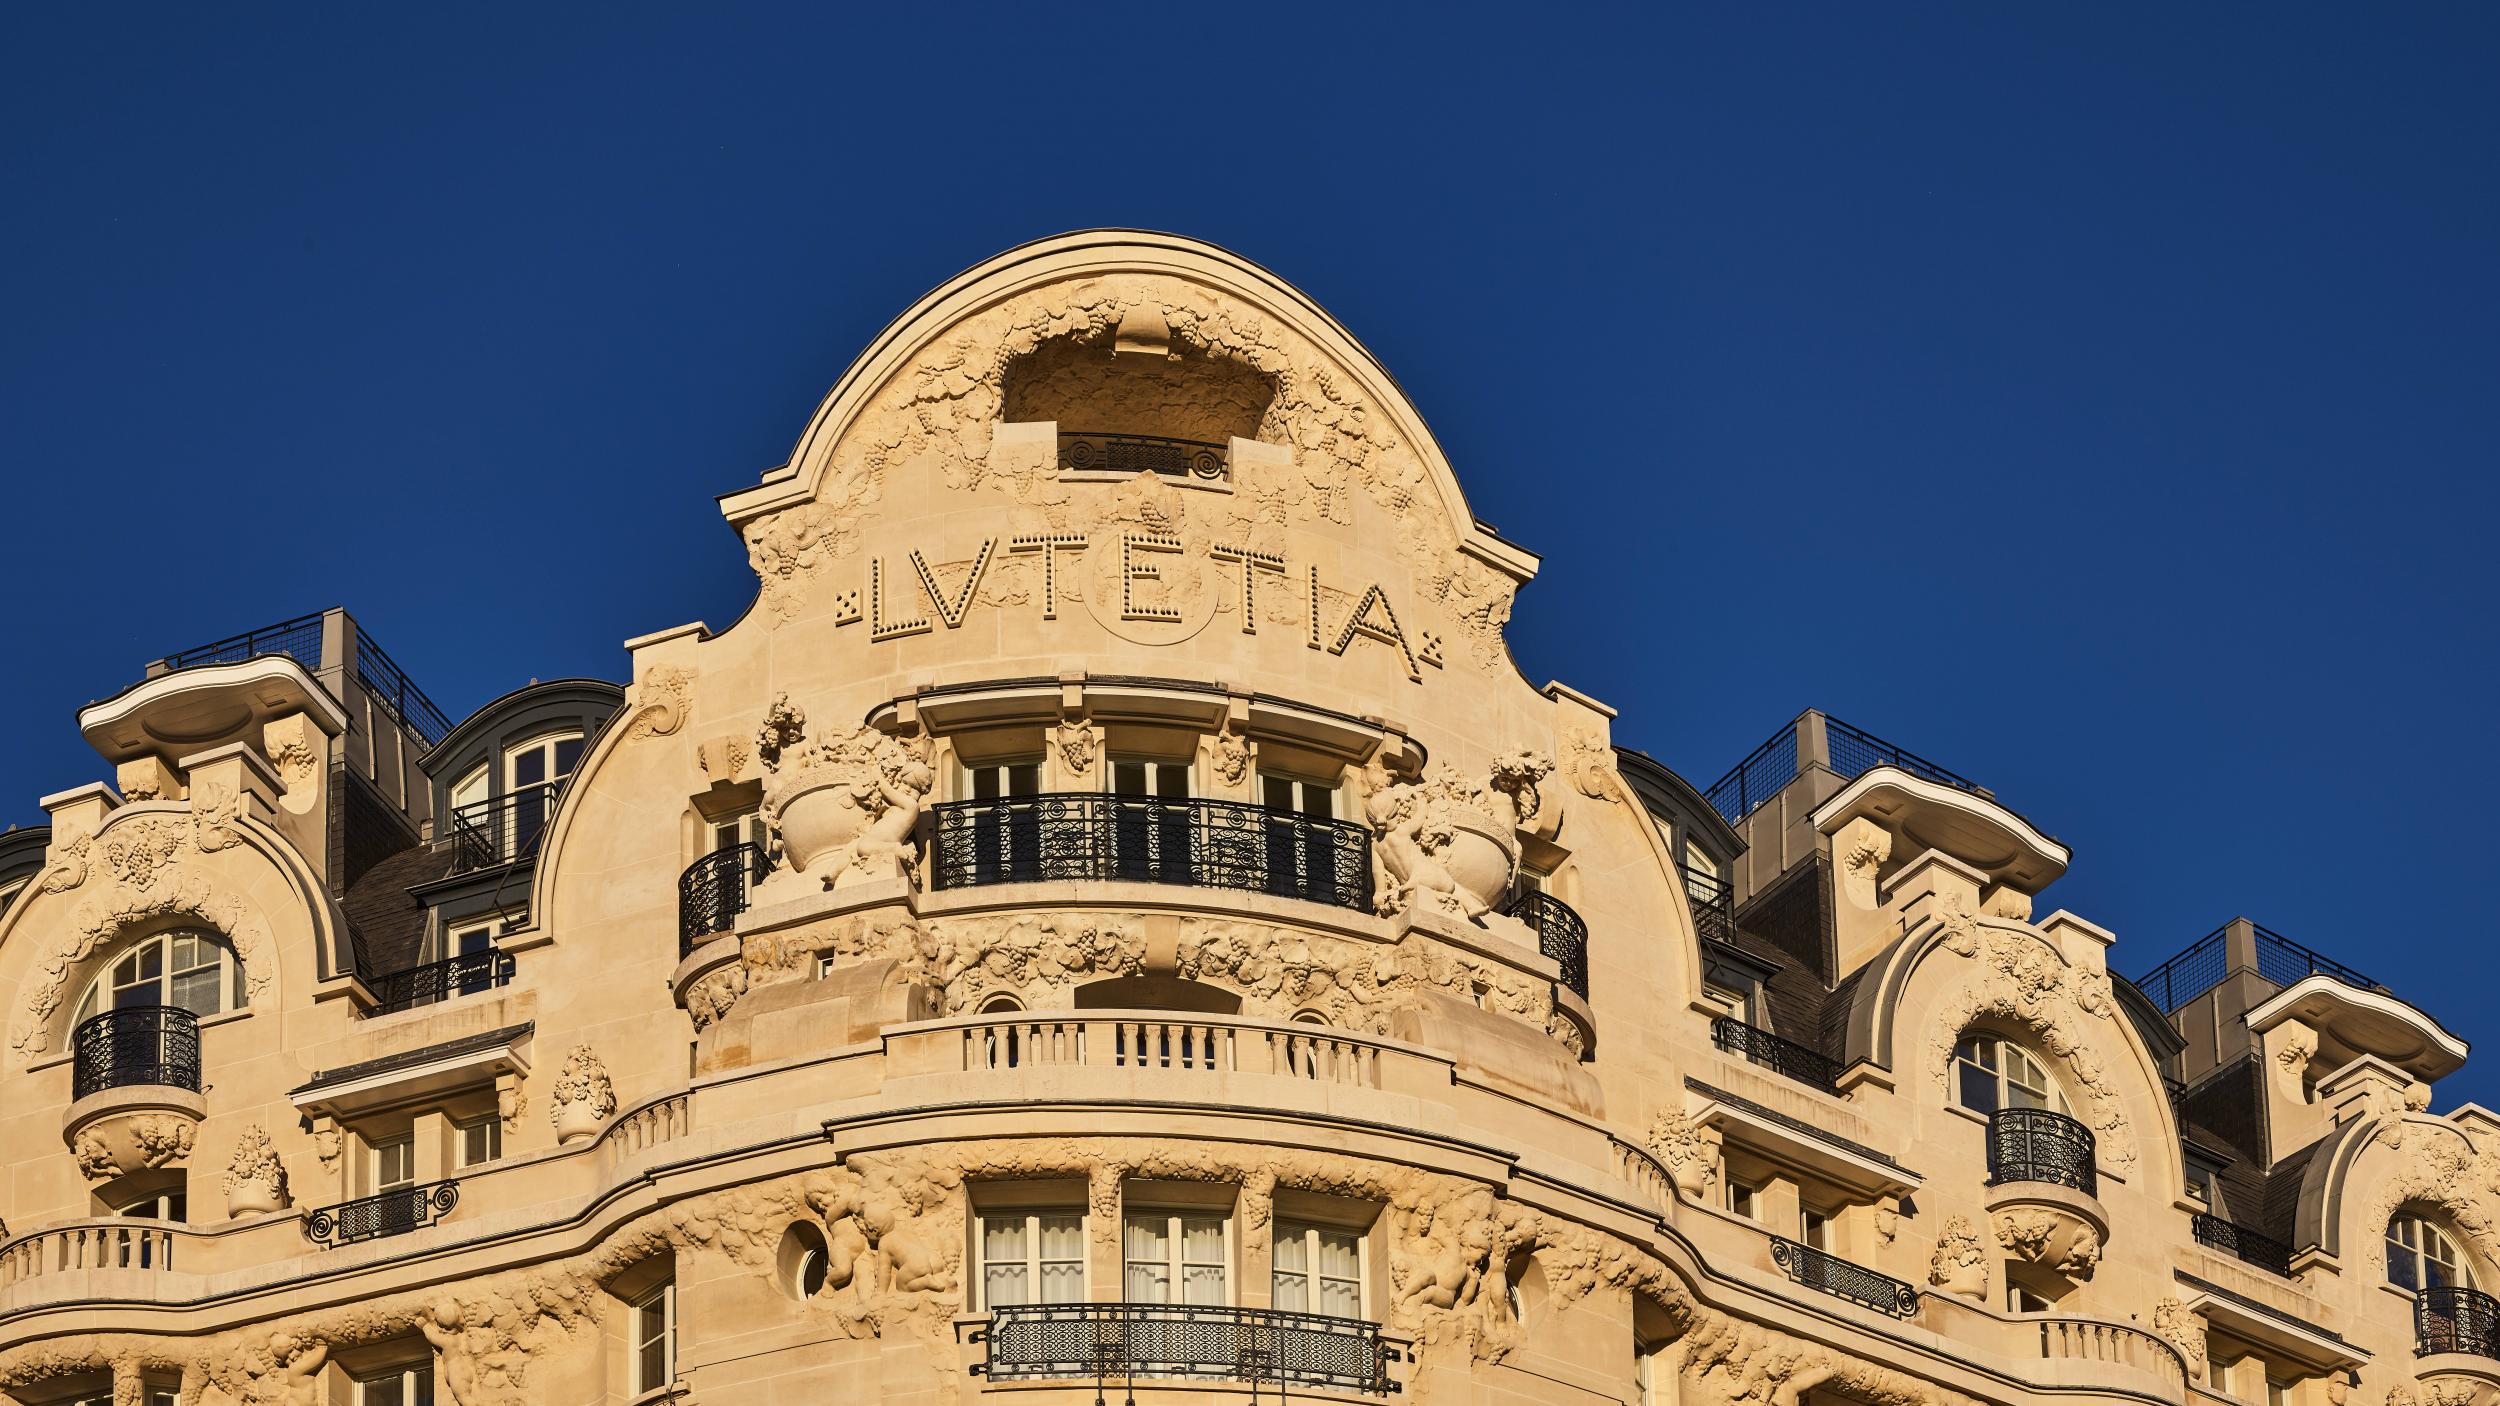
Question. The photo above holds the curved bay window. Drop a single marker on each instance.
(190, 969)
(2420, 1255)
(1992, 1073)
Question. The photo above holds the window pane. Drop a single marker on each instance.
(568, 752)
(1979, 1088)
(1342, 1297)
(1149, 1282)
(1205, 1284)
(199, 992)
(1292, 1291)
(1293, 1249)
(1024, 779)
(1002, 1239)
(1003, 1285)
(1340, 1254)
(383, 1391)
(1276, 792)
(1063, 1237)
(529, 768)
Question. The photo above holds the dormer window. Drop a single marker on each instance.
(2421, 1256)
(1994, 1073)
(193, 970)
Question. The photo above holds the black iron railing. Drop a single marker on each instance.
(502, 828)
(2248, 1246)
(1559, 934)
(2202, 966)
(136, 1045)
(299, 639)
(464, 975)
(1112, 1341)
(1853, 752)
(1146, 839)
(1783, 1057)
(1091, 451)
(2452, 1318)
(2040, 1144)
(713, 892)
(1714, 905)
(1833, 1275)
(394, 1212)
(389, 685)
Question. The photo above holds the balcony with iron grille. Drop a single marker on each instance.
(394, 1212)
(467, 974)
(1251, 1347)
(1830, 1274)
(130, 1071)
(505, 829)
(1561, 934)
(1154, 840)
(714, 890)
(1781, 1056)
(1122, 455)
(2041, 1161)
(2250, 1247)
(2456, 1344)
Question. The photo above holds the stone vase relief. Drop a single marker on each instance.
(843, 807)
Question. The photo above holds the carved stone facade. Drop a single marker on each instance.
(1117, 863)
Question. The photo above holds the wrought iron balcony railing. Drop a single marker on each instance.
(1560, 934)
(464, 975)
(1853, 751)
(1146, 839)
(1092, 451)
(1714, 905)
(300, 640)
(2203, 964)
(1786, 1058)
(1841, 1279)
(2452, 1318)
(136, 1045)
(394, 1212)
(2040, 1144)
(1110, 1341)
(2247, 1246)
(501, 829)
(713, 892)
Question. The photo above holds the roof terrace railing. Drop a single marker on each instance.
(300, 639)
(1853, 753)
(2204, 964)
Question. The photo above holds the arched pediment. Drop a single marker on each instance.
(2367, 1170)
(917, 450)
(153, 865)
(1964, 970)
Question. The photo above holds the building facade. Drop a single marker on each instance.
(1111, 922)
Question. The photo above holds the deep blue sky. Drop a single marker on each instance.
(2098, 401)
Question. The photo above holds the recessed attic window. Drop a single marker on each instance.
(1135, 399)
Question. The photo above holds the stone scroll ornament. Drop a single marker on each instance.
(843, 808)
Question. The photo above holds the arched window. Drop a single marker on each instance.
(1993, 1073)
(2421, 1256)
(188, 968)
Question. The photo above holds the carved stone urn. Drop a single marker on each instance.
(584, 1098)
(255, 1180)
(845, 808)
(1479, 856)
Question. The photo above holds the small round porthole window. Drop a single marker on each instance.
(803, 1261)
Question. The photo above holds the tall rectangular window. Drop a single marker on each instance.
(1173, 1257)
(655, 1338)
(1032, 1257)
(480, 1141)
(1318, 1269)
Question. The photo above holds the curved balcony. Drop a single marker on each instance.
(1112, 1341)
(1092, 835)
(464, 975)
(394, 1212)
(135, 1046)
(1560, 934)
(2041, 1145)
(1092, 452)
(714, 890)
(2452, 1318)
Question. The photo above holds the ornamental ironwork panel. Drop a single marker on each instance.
(1714, 905)
(2246, 1245)
(1090, 451)
(713, 892)
(502, 828)
(136, 1045)
(1841, 1279)
(298, 639)
(1559, 934)
(1783, 1057)
(1148, 839)
(464, 975)
(394, 1212)
(2452, 1318)
(2040, 1144)
(1114, 1340)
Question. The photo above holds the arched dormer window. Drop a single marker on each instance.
(187, 967)
(2420, 1255)
(1992, 1073)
